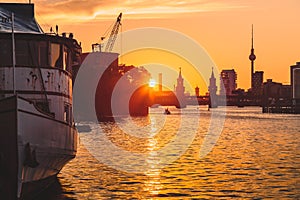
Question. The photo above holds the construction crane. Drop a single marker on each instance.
(113, 34)
(112, 38)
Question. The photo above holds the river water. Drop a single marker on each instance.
(256, 156)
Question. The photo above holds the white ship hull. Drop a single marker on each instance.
(37, 130)
(34, 146)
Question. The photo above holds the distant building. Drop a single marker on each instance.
(257, 83)
(240, 98)
(295, 80)
(271, 89)
(228, 78)
(276, 94)
(279, 98)
(197, 91)
(212, 88)
(295, 84)
(179, 90)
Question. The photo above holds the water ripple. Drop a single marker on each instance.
(256, 157)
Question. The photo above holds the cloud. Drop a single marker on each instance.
(86, 10)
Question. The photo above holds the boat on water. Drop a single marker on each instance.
(37, 132)
(167, 111)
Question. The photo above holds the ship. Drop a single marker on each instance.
(122, 90)
(115, 90)
(38, 136)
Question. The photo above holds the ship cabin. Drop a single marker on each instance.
(34, 65)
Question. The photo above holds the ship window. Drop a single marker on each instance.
(43, 60)
(55, 55)
(22, 53)
(5, 52)
(65, 58)
(42, 104)
(68, 113)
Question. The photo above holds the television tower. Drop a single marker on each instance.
(252, 57)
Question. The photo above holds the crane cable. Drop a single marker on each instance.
(106, 32)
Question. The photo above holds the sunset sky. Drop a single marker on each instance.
(223, 28)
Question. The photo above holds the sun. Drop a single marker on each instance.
(152, 83)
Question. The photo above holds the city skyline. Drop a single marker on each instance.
(174, 107)
(223, 28)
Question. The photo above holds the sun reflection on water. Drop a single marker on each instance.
(256, 157)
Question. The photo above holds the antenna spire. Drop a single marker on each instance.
(252, 36)
(252, 56)
(180, 72)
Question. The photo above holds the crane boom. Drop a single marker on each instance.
(113, 35)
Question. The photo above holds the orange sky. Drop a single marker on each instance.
(223, 28)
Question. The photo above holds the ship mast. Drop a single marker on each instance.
(13, 52)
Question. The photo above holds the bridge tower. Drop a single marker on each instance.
(179, 90)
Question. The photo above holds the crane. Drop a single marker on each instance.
(112, 37)
(113, 34)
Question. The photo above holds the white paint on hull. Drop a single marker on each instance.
(54, 141)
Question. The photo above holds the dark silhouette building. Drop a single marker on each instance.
(275, 91)
(279, 98)
(197, 91)
(212, 89)
(228, 78)
(179, 90)
(180, 87)
(276, 97)
(295, 84)
(257, 84)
